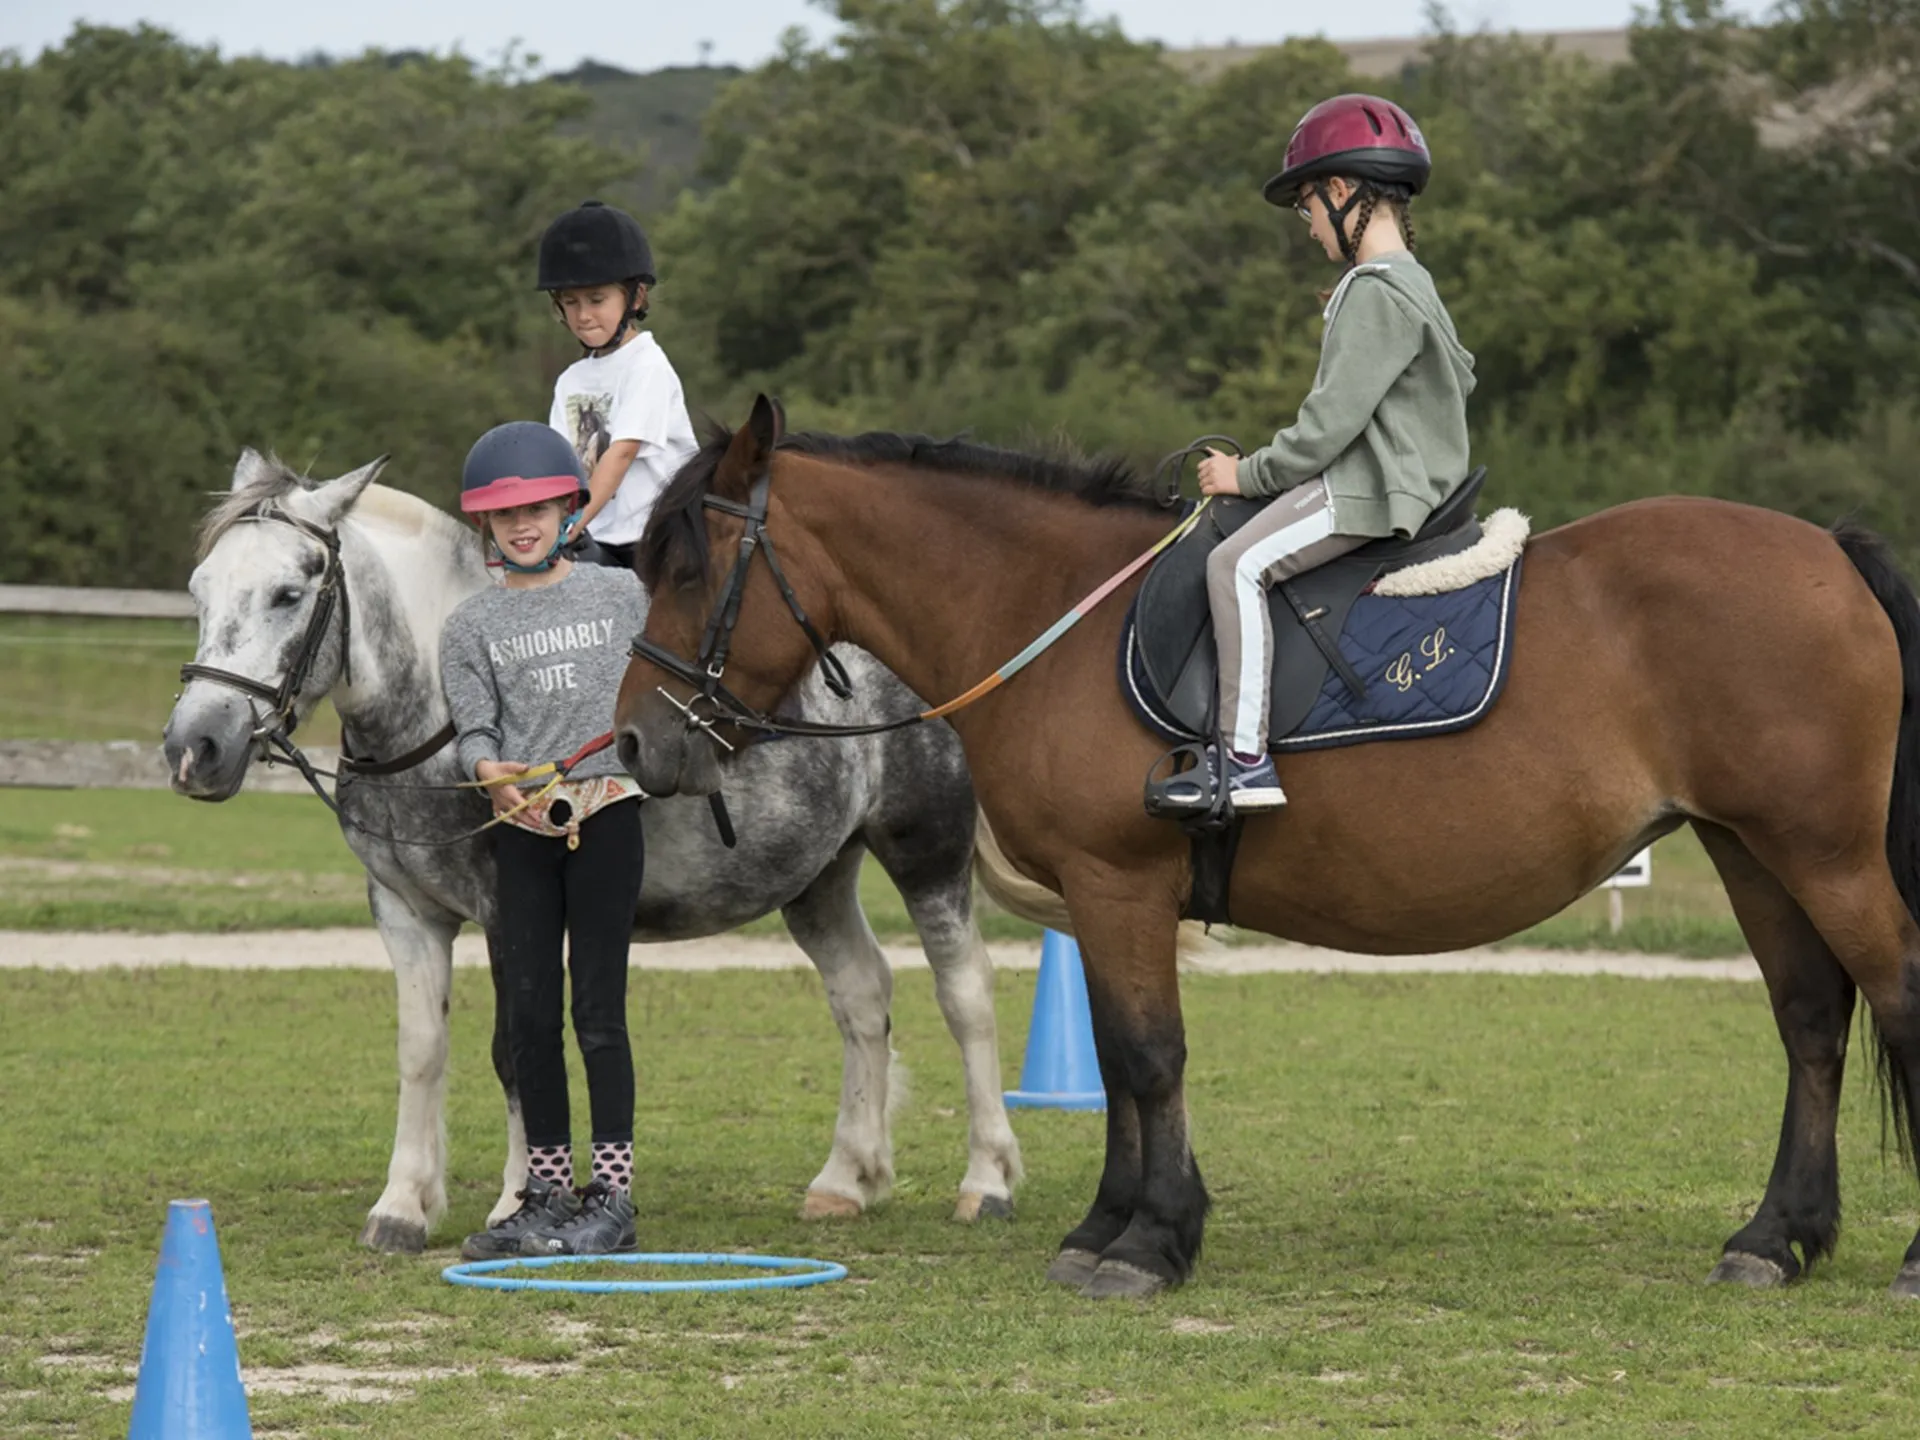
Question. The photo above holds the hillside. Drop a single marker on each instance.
(657, 114)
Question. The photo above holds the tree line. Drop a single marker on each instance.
(1697, 271)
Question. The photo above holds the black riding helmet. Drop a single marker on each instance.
(597, 244)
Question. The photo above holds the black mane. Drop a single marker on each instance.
(675, 545)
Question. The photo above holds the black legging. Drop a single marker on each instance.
(588, 894)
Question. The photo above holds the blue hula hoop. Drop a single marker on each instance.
(485, 1274)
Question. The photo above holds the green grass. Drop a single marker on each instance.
(76, 678)
(1444, 1206)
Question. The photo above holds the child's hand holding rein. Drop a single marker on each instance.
(504, 797)
(1219, 474)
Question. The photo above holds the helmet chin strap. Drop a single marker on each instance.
(1338, 215)
(635, 314)
(567, 527)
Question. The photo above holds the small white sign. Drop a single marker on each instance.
(1636, 873)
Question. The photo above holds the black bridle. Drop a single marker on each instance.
(283, 699)
(276, 728)
(703, 673)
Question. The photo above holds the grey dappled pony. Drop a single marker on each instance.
(807, 813)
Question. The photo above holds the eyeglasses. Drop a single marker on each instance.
(1304, 208)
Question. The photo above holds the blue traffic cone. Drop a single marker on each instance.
(1062, 1069)
(189, 1386)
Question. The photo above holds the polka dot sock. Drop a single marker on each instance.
(553, 1163)
(613, 1163)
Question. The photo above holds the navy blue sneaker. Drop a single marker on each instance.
(1250, 787)
(1253, 786)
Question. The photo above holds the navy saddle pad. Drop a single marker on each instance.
(1349, 666)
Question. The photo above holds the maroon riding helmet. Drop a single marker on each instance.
(1357, 137)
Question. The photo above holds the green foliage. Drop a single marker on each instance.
(1698, 270)
(196, 255)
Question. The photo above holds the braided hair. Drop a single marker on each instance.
(1371, 193)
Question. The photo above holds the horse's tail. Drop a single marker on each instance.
(1874, 560)
(1035, 903)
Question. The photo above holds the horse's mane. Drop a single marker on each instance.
(396, 508)
(675, 543)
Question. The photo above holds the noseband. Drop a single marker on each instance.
(282, 699)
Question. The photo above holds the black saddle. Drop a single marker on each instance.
(1170, 633)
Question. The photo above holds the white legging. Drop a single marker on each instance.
(1292, 533)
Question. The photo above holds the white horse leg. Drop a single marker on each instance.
(963, 981)
(421, 950)
(513, 1178)
(827, 922)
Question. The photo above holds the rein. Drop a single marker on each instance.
(704, 672)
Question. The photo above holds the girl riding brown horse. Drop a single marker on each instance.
(1676, 661)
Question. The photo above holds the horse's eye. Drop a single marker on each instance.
(286, 597)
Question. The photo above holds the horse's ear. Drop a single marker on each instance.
(336, 497)
(252, 468)
(751, 449)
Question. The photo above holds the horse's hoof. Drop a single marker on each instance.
(1073, 1268)
(1117, 1280)
(1906, 1285)
(974, 1207)
(1739, 1268)
(821, 1205)
(393, 1237)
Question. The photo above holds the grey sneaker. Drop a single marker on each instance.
(603, 1226)
(541, 1203)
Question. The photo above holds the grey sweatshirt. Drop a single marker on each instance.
(1387, 420)
(531, 675)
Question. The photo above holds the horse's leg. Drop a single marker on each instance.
(1849, 893)
(421, 950)
(1149, 1214)
(513, 1178)
(827, 922)
(933, 868)
(1813, 1006)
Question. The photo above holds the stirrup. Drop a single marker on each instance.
(1213, 811)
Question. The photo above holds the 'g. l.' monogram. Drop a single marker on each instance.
(1403, 674)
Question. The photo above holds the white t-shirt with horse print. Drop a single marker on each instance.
(632, 394)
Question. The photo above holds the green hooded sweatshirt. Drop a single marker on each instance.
(1386, 422)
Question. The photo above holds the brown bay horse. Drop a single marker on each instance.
(1677, 661)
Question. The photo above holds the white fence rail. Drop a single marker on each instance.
(113, 604)
(124, 765)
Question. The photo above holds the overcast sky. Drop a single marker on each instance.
(739, 31)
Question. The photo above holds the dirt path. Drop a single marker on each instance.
(360, 949)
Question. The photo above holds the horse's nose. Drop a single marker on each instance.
(647, 760)
(190, 761)
(627, 746)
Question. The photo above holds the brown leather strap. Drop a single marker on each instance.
(418, 755)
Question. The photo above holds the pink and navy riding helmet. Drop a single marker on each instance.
(523, 463)
(520, 463)
(1357, 137)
